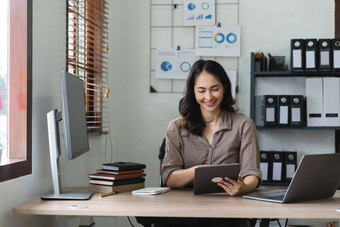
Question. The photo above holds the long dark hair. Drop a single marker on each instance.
(190, 109)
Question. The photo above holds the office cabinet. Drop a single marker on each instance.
(255, 75)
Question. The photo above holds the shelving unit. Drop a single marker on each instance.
(273, 74)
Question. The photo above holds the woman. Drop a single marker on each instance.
(210, 132)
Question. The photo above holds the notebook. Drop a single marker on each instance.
(317, 177)
(151, 191)
(206, 177)
(123, 166)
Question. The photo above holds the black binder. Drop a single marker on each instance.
(277, 166)
(290, 164)
(336, 54)
(311, 54)
(265, 166)
(297, 111)
(270, 110)
(325, 54)
(283, 110)
(297, 55)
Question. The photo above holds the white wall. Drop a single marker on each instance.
(266, 24)
(139, 118)
(269, 25)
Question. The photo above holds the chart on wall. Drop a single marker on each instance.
(173, 25)
(198, 12)
(174, 64)
(218, 41)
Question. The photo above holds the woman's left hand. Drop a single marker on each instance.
(231, 186)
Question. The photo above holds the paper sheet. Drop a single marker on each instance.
(218, 41)
(174, 64)
(198, 12)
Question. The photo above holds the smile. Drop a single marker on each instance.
(210, 103)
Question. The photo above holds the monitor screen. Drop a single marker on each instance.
(74, 115)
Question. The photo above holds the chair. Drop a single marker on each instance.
(161, 154)
(161, 151)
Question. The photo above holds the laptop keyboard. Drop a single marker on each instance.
(272, 195)
(279, 197)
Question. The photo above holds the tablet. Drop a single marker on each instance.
(206, 177)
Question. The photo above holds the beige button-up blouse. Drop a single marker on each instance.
(234, 142)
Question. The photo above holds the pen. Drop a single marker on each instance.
(107, 194)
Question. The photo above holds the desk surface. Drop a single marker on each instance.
(182, 203)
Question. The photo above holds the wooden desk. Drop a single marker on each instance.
(182, 203)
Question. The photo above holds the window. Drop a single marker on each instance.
(3, 76)
(87, 57)
(18, 150)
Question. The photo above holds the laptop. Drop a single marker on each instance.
(206, 177)
(317, 177)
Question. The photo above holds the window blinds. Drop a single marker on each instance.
(87, 47)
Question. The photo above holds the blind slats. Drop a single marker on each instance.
(89, 53)
(87, 40)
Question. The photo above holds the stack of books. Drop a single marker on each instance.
(118, 177)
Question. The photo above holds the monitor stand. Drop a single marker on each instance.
(53, 118)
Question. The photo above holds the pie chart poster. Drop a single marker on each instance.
(174, 64)
(198, 12)
(218, 41)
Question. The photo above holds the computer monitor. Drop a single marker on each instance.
(75, 132)
(73, 107)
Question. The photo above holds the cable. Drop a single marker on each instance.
(106, 159)
(108, 135)
(130, 222)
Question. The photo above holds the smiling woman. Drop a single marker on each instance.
(16, 121)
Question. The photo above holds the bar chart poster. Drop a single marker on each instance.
(198, 12)
(218, 41)
(174, 64)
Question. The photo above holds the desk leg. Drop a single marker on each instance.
(87, 222)
(264, 222)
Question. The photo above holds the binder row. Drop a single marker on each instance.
(314, 55)
(280, 111)
(278, 166)
(323, 105)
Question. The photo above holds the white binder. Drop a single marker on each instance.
(314, 102)
(331, 103)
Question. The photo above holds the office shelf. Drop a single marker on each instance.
(275, 74)
(297, 128)
(295, 74)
